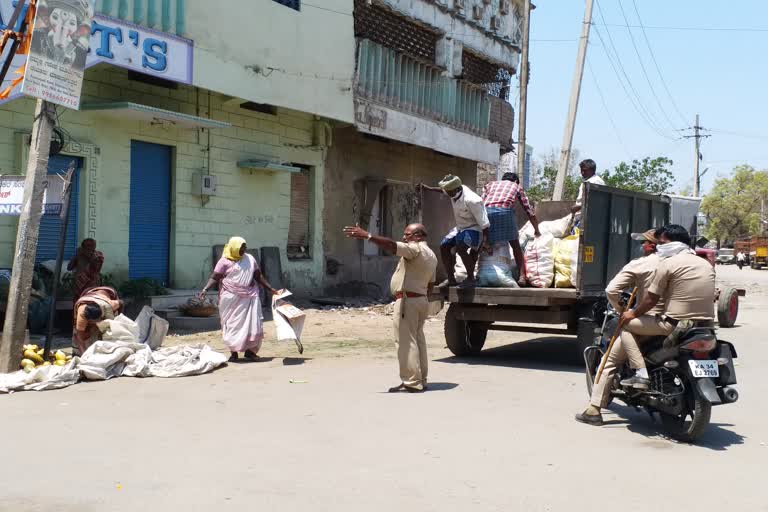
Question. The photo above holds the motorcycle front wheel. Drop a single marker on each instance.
(689, 425)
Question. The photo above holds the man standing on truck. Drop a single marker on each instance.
(500, 198)
(588, 170)
(471, 233)
(637, 273)
(410, 286)
(687, 283)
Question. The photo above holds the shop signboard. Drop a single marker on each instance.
(123, 44)
(12, 195)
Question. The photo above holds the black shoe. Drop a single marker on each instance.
(233, 358)
(402, 388)
(251, 355)
(636, 382)
(590, 419)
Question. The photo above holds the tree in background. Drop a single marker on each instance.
(733, 206)
(545, 172)
(648, 175)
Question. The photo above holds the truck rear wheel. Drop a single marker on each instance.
(728, 307)
(464, 338)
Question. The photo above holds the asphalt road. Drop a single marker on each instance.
(495, 433)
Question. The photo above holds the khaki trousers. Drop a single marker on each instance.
(410, 315)
(626, 347)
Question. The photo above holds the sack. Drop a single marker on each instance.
(566, 261)
(539, 261)
(557, 228)
(289, 320)
(152, 328)
(496, 270)
(121, 328)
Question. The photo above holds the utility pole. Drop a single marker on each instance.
(522, 110)
(696, 177)
(26, 239)
(565, 150)
(697, 136)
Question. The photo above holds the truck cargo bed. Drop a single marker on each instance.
(511, 296)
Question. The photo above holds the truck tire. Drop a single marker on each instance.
(585, 336)
(728, 307)
(464, 338)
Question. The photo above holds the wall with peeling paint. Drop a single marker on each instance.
(356, 159)
(302, 60)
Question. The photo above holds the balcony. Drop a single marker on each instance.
(409, 85)
(165, 15)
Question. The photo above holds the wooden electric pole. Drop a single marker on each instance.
(565, 150)
(522, 110)
(26, 239)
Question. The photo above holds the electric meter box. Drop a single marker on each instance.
(203, 184)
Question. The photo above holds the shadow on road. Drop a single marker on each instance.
(716, 437)
(441, 386)
(295, 361)
(550, 353)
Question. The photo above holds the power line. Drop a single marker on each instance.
(643, 115)
(644, 112)
(605, 106)
(327, 9)
(703, 29)
(656, 64)
(642, 67)
(738, 134)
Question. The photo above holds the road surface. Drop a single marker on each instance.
(494, 433)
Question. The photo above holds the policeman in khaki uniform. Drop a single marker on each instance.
(410, 286)
(686, 282)
(637, 273)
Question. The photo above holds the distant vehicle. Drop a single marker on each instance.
(726, 256)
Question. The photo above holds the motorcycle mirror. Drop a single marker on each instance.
(701, 241)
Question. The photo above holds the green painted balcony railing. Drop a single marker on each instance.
(165, 15)
(410, 85)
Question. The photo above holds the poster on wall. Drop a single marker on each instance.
(12, 195)
(58, 52)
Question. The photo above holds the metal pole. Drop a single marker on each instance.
(522, 110)
(64, 216)
(26, 239)
(696, 176)
(565, 150)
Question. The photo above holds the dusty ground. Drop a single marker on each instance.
(496, 433)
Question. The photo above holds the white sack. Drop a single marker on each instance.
(539, 261)
(152, 328)
(121, 328)
(557, 228)
(496, 270)
(288, 320)
(42, 378)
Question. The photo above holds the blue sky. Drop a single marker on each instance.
(719, 74)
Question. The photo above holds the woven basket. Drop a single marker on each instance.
(198, 311)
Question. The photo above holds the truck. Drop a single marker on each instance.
(758, 252)
(609, 217)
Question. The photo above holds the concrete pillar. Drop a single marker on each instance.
(448, 56)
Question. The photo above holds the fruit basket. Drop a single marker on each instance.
(198, 308)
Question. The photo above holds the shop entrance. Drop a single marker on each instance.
(50, 225)
(150, 212)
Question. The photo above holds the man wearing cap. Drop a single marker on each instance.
(470, 234)
(637, 273)
(410, 286)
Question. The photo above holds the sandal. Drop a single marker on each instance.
(251, 355)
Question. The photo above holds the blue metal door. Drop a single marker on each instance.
(50, 225)
(150, 212)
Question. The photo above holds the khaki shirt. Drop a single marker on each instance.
(638, 272)
(416, 268)
(687, 282)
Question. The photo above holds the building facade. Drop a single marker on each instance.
(184, 93)
(431, 95)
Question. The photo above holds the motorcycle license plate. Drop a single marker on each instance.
(704, 368)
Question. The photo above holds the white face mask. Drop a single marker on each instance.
(672, 249)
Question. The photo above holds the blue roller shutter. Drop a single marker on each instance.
(50, 225)
(150, 212)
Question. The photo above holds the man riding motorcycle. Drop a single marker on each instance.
(685, 285)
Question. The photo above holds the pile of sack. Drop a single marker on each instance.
(551, 259)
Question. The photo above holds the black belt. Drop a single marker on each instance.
(696, 323)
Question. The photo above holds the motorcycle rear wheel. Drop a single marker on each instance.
(688, 431)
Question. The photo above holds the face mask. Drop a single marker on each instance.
(672, 249)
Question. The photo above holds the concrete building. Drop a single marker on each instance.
(430, 98)
(180, 93)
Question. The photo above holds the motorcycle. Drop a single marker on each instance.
(687, 377)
